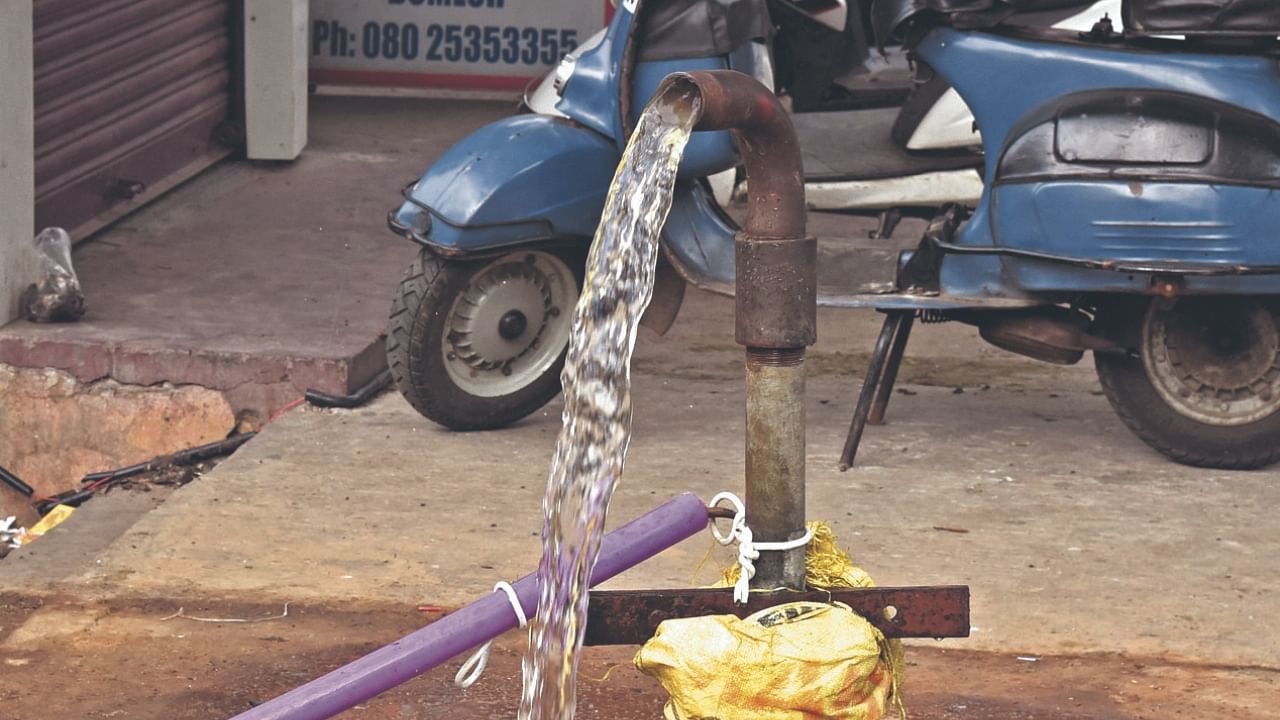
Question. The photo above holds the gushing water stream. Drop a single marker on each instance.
(592, 445)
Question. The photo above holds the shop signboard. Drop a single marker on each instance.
(461, 44)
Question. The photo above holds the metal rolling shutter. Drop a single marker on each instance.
(131, 98)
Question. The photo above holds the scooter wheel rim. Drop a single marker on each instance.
(1215, 360)
(510, 324)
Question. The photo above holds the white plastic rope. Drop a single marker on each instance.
(473, 668)
(748, 549)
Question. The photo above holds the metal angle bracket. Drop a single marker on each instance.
(631, 617)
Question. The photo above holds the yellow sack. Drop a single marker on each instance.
(798, 661)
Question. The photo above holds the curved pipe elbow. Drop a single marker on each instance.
(730, 100)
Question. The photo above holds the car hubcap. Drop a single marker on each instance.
(1215, 360)
(510, 324)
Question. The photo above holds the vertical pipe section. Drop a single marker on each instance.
(776, 461)
(775, 308)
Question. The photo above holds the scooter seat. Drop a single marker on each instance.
(1044, 13)
(858, 145)
(1203, 18)
(890, 17)
(1199, 21)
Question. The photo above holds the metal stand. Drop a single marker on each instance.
(889, 220)
(877, 386)
(631, 617)
(889, 374)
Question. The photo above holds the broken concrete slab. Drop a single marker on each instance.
(57, 429)
(70, 550)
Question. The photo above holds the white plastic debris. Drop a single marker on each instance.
(55, 296)
(11, 536)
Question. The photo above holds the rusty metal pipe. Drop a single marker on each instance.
(775, 461)
(775, 304)
(776, 263)
(766, 140)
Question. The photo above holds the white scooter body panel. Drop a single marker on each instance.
(835, 17)
(926, 190)
(949, 123)
(544, 97)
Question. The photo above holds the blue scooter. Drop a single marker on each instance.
(1128, 182)
(479, 326)
(1130, 209)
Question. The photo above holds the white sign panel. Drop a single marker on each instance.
(492, 44)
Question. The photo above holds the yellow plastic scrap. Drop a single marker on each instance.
(797, 661)
(51, 520)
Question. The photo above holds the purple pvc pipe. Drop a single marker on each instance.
(477, 623)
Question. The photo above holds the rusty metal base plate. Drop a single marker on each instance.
(630, 617)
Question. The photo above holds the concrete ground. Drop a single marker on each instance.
(1077, 537)
(1007, 475)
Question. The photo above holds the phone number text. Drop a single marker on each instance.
(491, 44)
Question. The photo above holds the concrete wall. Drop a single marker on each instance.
(17, 155)
(276, 56)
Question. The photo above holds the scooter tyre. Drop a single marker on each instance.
(415, 357)
(1135, 399)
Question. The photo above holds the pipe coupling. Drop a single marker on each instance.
(777, 291)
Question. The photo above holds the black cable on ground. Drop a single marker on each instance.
(101, 480)
(180, 458)
(16, 483)
(355, 399)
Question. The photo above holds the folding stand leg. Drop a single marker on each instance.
(890, 334)
(889, 374)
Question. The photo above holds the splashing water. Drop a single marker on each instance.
(596, 427)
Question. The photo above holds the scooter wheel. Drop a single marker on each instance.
(477, 345)
(1202, 384)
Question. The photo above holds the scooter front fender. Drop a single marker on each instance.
(521, 179)
(699, 239)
